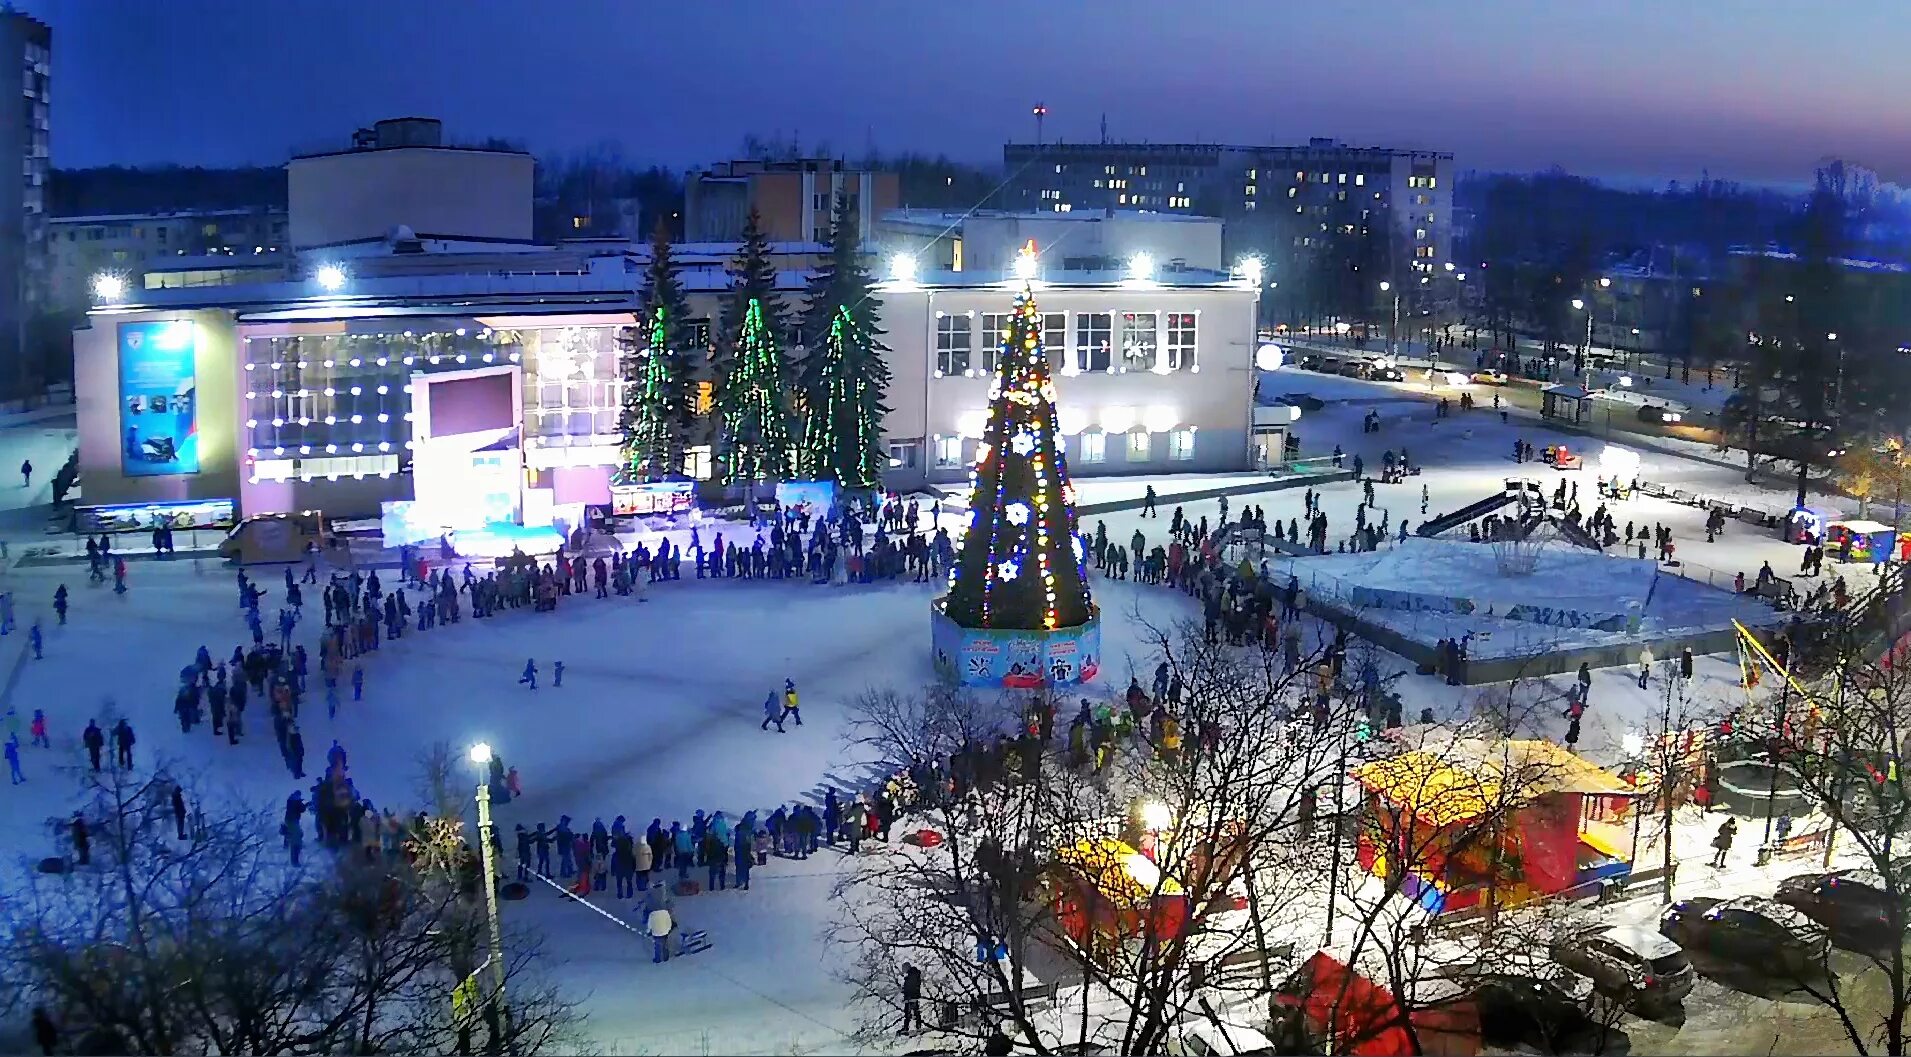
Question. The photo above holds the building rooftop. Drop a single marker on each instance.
(945, 218)
(1316, 146)
(182, 214)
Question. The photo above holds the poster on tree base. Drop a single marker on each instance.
(1017, 659)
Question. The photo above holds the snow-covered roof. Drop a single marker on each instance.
(948, 218)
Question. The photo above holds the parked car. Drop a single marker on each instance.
(1328, 365)
(1659, 414)
(1628, 962)
(1750, 930)
(1550, 1013)
(1304, 401)
(1386, 372)
(1853, 905)
(1308, 361)
(1490, 377)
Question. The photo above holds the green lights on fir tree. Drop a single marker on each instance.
(651, 414)
(842, 435)
(1021, 564)
(756, 431)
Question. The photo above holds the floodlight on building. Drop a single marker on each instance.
(1578, 304)
(108, 286)
(902, 268)
(1385, 286)
(1141, 266)
(330, 277)
(1252, 268)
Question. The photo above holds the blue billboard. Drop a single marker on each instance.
(158, 404)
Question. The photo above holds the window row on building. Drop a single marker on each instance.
(954, 451)
(1110, 342)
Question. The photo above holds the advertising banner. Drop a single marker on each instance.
(1017, 660)
(141, 517)
(158, 404)
(659, 498)
(816, 498)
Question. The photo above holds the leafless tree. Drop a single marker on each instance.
(217, 943)
(1221, 800)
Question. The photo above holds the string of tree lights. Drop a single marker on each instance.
(756, 432)
(1022, 563)
(842, 438)
(657, 411)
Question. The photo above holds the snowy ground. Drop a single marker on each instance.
(658, 715)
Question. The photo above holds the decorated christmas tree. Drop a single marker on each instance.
(755, 439)
(843, 408)
(844, 373)
(1021, 564)
(657, 410)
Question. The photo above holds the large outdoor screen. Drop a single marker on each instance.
(472, 405)
(159, 433)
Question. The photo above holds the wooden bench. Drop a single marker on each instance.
(1799, 843)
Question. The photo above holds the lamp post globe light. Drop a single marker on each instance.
(330, 277)
(481, 758)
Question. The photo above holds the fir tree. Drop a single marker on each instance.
(752, 278)
(844, 376)
(1021, 564)
(843, 414)
(655, 368)
(755, 439)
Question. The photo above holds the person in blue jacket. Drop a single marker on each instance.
(773, 712)
(682, 847)
(530, 674)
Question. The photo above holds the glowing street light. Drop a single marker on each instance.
(1156, 816)
(1578, 305)
(1251, 268)
(481, 756)
(1141, 266)
(330, 277)
(109, 287)
(902, 268)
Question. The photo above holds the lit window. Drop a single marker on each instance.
(1248, 205)
(1180, 341)
(1249, 190)
(580, 223)
(1360, 179)
(1139, 339)
(903, 453)
(1431, 182)
(1293, 192)
(1093, 333)
(706, 397)
(1141, 446)
(696, 462)
(1181, 444)
(948, 451)
(1054, 335)
(952, 344)
(995, 330)
(1094, 447)
(1342, 178)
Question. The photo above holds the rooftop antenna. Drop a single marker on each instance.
(1040, 111)
(1104, 129)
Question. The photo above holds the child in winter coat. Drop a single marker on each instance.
(644, 859)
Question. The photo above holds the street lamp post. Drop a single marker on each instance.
(1394, 330)
(481, 756)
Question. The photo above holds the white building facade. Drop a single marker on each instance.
(1152, 376)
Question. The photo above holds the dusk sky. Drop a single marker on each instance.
(1628, 89)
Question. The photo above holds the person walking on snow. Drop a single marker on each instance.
(772, 713)
(26, 473)
(59, 602)
(1722, 842)
(123, 742)
(557, 674)
(95, 740)
(530, 674)
(13, 759)
(38, 730)
(789, 704)
(358, 683)
(33, 636)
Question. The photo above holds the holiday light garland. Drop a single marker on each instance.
(842, 434)
(1022, 516)
(650, 412)
(756, 427)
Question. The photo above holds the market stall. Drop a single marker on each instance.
(1868, 542)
